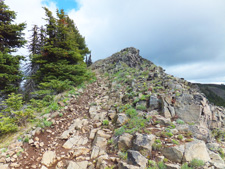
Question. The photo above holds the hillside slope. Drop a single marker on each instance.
(135, 116)
(215, 93)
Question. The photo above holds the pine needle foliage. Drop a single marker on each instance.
(61, 57)
(11, 37)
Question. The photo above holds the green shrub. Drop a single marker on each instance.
(47, 123)
(169, 134)
(141, 107)
(221, 153)
(26, 140)
(161, 165)
(156, 147)
(189, 140)
(180, 137)
(136, 122)
(131, 112)
(123, 155)
(165, 160)
(158, 141)
(185, 166)
(175, 142)
(13, 115)
(119, 131)
(195, 163)
(54, 106)
(179, 121)
(105, 122)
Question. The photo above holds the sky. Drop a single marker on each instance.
(185, 37)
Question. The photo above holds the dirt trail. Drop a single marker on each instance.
(69, 134)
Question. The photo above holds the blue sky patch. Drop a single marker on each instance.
(67, 5)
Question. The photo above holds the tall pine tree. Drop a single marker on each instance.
(11, 37)
(61, 58)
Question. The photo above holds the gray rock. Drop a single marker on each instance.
(215, 158)
(175, 153)
(172, 111)
(4, 166)
(121, 119)
(162, 120)
(100, 142)
(49, 157)
(187, 110)
(219, 166)
(135, 158)
(125, 141)
(213, 146)
(154, 102)
(172, 166)
(196, 149)
(201, 133)
(77, 165)
(95, 152)
(143, 142)
(123, 165)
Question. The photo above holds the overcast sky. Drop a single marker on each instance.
(185, 37)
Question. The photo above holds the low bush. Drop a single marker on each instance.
(196, 163)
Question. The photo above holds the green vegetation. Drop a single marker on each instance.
(141, 107)
(214, 93)
(11, 38)
(175, 142)
(218, 134)
(14, 115)
(185, 166)
(123, 155)
(105, 122)
(195, 163)
(180, 137)
(179, 121)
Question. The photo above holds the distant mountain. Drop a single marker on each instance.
(214, 92)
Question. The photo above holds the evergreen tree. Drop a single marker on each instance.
(11, 37)
(61, 58)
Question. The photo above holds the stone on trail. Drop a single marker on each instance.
(48, 158)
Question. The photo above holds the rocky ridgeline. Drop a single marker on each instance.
(134, 116)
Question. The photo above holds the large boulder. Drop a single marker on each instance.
(187, 110)
(175, 153)
(196, 150)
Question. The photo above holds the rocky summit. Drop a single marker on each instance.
(134, 116)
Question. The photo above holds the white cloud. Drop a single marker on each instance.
(30, 12)
(184, 36)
